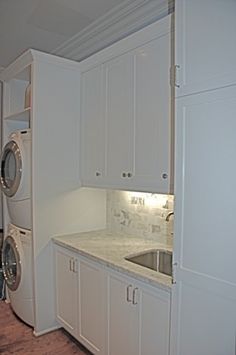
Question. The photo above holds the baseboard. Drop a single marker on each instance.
(38, 334)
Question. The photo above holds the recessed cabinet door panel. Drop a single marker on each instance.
(92, 126)
(92, 308)
(120, 116)
(155, 325)
(205, 45)
(204, 297)
(206, 124)
(66, 291)
(207, 323)
(152, 114)
(123, 319)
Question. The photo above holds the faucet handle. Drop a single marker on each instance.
(169, 215)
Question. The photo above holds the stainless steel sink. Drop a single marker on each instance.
(158, 259)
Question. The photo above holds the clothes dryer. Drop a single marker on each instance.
(15, 177)
(17, 271)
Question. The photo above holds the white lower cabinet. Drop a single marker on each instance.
(123, 318)
(92, 328)
(154, 322)
(66, 280)
(138, 318)
(109, 313)
(81, 299)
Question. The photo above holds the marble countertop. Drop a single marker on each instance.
(110, 248)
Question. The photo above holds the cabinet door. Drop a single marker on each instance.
(119, 118)
(152, 166)
(205, 45)
(66, 289)
(92, 126)
(92, 307)
(204, 297)
(155, 315)
(123, 318)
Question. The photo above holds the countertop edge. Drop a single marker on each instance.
(139, 277)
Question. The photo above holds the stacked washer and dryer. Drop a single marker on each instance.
(15, 183)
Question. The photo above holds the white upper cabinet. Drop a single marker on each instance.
(92, 125)
(120, 117)
(126, 113)
(152, 158)
(205, 45)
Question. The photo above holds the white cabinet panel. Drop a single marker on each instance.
(66, 289)
(206, 128)
(92, 307)
(108, 312)
(155, 314)
(204, 297)
(126, 126)
(120, 116)
(92, 125)
(205, 45)
(206, 323)
(138, 318)
(152, 115)
(123, 318)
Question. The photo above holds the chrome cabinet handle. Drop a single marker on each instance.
(128, 293)
(134, 301)
(176, 67)
(71, 264)
(75, 266)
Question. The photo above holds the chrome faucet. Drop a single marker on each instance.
(168, 216)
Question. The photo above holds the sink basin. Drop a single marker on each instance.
(158, 259)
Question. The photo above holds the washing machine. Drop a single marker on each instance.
(17, 271)
(15, 177)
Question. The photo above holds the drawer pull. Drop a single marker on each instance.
(135, 296)
(71, 264)
(128, 293)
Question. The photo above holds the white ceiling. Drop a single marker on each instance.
(44, 24)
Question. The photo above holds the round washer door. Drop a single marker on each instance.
(11, 264)
(11, 169)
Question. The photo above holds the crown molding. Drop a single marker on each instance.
(127, 18)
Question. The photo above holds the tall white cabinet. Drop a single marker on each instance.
(204, 293)
(204, 50)
(58, 203)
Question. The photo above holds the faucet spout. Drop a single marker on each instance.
(169, 215)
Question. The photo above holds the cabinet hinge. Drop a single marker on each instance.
(173, 273)
(173, 76)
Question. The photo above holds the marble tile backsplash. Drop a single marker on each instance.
(141, 214)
